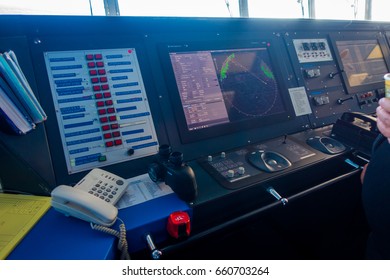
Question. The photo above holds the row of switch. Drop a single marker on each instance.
(111, 131)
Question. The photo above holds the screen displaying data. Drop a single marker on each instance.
(229, 86)
(363, 61)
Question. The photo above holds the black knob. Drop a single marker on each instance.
(176, 158)
(164, 151)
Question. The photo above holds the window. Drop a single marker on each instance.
(320, 9)
(278, 9)
(52, 7)
(182, 8)
(380, 10)
(340, 9)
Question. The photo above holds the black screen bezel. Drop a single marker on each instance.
(353, 37)
(188, 136)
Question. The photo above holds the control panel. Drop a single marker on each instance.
(317, 71)
(238, 168)
(101, 105)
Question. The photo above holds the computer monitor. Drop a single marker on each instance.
(221, 88)
(362, 63)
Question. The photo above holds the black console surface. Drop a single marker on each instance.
(259, 162)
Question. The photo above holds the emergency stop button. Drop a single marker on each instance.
(179, 224)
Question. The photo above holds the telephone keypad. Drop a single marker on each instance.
(104, 185)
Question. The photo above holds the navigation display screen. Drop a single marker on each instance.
(227, 88)
(363, 61)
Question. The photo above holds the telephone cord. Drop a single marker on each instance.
(121, 235)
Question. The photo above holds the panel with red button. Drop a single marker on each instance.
(112, 114)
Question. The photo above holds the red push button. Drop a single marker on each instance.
(179, 224)
(93, 72)
(112, 118)
(105, 87)
(114, 126)
(103, 79)
(98, 56)
(98, 96)
(110, 110)
(118, 142)
(107, 94)
(116, 133)
(91, 64)
(102, 72)
(103, 119)
(99, 64)
(109, 144)
(105, 127)
(89, 56)
(100, 103)
(95, 80)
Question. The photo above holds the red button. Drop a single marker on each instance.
(109, 102)
(102, 72)
(105, 87)
(107, 94)
(110, 110)
(91, 64)
(89, 56)
(107, 135)
(98, 96)
(96, 88)
(102, 111)
(105, 127)
(118, 142)
(99, 64)
(103, 119)
(114, 126)
(103, 79)
(112, 118)
(109, 144)
(98, 56)
(179, 224)
(92, 72)
(100, 103)
(95, 80)
(116, 134)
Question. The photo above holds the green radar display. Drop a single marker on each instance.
(248, 83)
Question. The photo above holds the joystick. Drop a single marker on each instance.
(169, 167)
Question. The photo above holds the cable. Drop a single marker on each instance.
(121, 234)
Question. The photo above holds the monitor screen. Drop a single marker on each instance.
(222, 90)
(362, 60)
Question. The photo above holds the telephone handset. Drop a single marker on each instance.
(357, 130)
(361, 120)
(92, 199)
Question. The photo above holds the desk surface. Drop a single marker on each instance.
(56, 237)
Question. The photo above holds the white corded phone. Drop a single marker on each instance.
(92, 199)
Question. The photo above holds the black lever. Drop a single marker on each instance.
(341, 101)
(334, 74)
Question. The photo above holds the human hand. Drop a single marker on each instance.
(383, 116)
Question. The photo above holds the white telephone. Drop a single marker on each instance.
(92, 199)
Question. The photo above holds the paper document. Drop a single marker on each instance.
(141, 189)
(18, 215)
